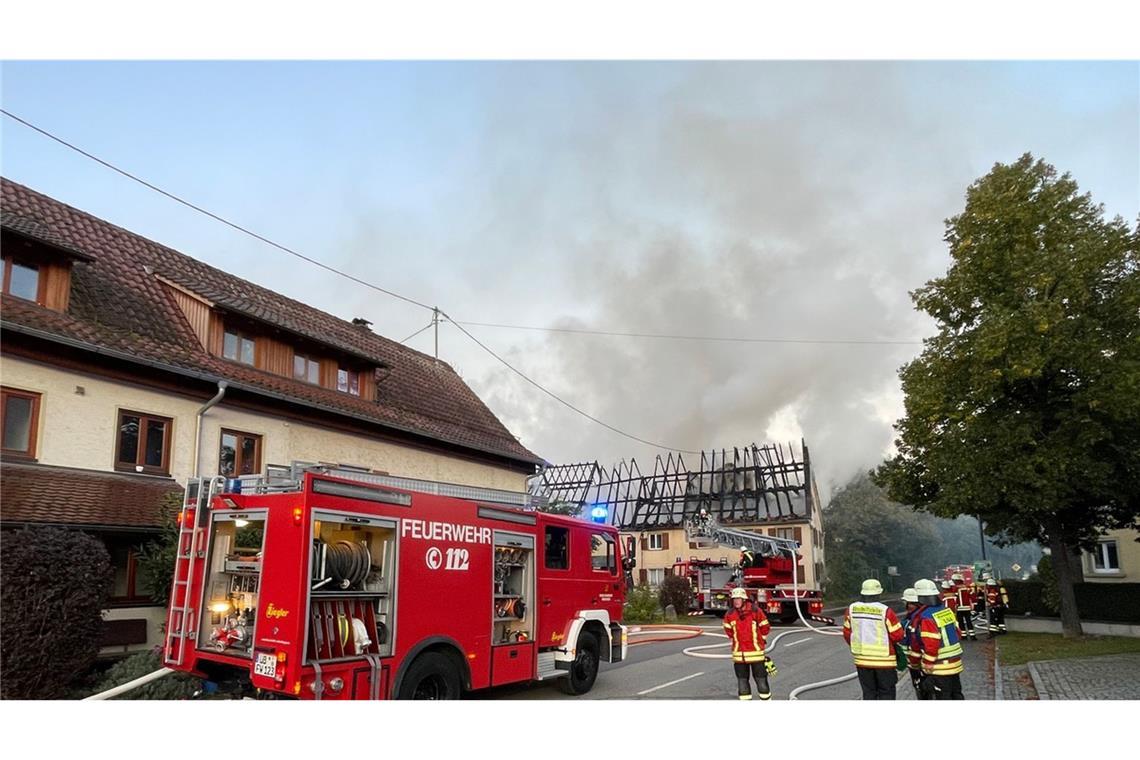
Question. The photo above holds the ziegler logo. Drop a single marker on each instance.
(556, 637)
(275, 612)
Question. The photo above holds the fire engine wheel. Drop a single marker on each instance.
(584, 669)
(431, 676)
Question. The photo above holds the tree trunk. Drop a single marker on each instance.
(1063, 568)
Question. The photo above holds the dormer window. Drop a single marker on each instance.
(21, 279)
(306, 369)
(238, 347)
(348, 381)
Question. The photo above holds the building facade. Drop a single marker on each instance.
(1116, 559)
(129, 368)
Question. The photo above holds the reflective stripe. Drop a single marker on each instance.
(745, 696)
(766, 696)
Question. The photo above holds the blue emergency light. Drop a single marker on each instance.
(598, 513)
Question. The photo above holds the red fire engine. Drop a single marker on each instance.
(342, 587)
(767, 579)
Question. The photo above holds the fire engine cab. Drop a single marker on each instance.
(340, 586)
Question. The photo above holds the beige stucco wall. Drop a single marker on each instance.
(1127, 551)
(78, 429)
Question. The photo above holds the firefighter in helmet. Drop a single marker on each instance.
(997, 599)
(949, 597)
(872, 630)
(747, 628)
(939, 644)
(909, 624)
(746, 557)
(965, 609)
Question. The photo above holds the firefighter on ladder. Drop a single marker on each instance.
(939, 644)
(997, 599)
(965, 606)
(872, 630)
(747, 628)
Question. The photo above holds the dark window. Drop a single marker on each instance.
(240, 454)
(21, 280)
(127, 588)
(557, 548)
(238, 347)
(348, 381)
(602, 554)
(1106, 559)
(20, 411)
(143, 443)
(306, 369)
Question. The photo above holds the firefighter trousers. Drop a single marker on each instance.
(759, 674)
(877, 683)
(966, 622)
(916, 681)
(997, 620)
(944, 687)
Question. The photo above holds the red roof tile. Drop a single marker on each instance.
(34, 493)
(118, 303)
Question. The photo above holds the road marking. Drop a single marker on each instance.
(797, 641)
(662, 686)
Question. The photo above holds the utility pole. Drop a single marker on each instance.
(982, 534)
(435, 323)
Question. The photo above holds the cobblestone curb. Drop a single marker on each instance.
(998, 695)
(1042, 693)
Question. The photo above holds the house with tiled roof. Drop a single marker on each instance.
(112, 347)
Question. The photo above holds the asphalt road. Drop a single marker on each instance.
(664, 671)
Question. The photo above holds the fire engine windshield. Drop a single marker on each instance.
(232, 582)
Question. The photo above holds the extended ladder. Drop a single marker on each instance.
(181, 618)
(708, 531)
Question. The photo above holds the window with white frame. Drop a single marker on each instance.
(655, 541)
(1105, 558)
(655, 576)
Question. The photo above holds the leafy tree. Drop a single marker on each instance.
(676, 591)
(54, 585)
(156, 558)
(1024, 408)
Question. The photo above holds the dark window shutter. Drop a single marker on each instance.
(692, 544)
(644, 575)
(644, 546)
(664, 540)
(799, 535)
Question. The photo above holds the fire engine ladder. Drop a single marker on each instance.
(765, 546)
(181, 618)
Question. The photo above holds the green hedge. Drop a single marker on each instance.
(1106, 602)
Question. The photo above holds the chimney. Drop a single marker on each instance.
(362, 323)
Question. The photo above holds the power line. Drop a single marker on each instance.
(555, 396)
(328, 268)
(417, 332)
(711, 338)
(212, 215)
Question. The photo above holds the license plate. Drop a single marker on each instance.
(266, 665)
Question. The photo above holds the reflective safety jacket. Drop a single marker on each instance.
(950, 599)
(910, 636)
(965, 596)
(939, 642)
(872, 629)
(997, 596)
(747, 629)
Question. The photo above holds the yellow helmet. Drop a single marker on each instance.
(871, 587)
(739, 593)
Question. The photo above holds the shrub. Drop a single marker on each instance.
(54, 585)
(174, 686)
(641, 606)
(1050, 592)
(676, 591)
(156, 558)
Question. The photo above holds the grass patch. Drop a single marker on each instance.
(1020, 648)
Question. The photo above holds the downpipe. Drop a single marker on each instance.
(222, 385)
(129, 685)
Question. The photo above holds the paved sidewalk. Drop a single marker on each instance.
(1115, 676)
(977, 673)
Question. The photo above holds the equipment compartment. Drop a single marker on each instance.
(512, 601)
(232, 583)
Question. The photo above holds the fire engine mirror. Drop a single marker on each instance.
(631, 547)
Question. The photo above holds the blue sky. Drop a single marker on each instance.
(780, 199)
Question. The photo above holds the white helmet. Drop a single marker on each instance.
(925, 587)
(744, 548)
(991, 582)
(956, 577)
(946, 584)
(739, 593)
(871, 587)
(910, 595)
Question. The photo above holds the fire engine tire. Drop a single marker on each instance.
(432, 675)
(584, 669)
